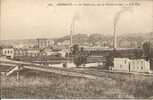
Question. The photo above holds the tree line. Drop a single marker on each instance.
(146, 52)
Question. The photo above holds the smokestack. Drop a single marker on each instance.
(72, 28)
(71, 32)
(71, 38)
(115, 37)
(116, 19)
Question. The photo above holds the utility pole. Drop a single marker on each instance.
(17, 74)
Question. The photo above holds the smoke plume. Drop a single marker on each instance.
(118, 14)
(116, 19)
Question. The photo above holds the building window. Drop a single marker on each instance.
(141, 62)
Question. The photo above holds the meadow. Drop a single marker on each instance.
(42, 85)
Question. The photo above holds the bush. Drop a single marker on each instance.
(78, 60)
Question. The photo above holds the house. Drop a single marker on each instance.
(7, 51)
(131, 65)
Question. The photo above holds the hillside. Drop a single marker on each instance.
(84, 38)
(99, 38)
(15, 42)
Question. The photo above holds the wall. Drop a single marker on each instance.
(43, 43)
(20, 52)
(9, 52)
(131, 65)
(121, 64)
(139, 65)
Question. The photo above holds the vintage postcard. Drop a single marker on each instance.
(76, 49)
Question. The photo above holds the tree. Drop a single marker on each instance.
(147, 50)
(75, 50)
(79, 59)
(110, 57)
(138, 53)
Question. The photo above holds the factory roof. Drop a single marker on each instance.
(5, 46)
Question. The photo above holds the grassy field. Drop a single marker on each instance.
(35, 84)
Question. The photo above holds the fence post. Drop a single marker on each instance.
(18, 72)
(17, 76)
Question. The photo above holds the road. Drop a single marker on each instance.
(90, 73)
(34, 66)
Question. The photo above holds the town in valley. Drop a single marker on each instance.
(52, 51)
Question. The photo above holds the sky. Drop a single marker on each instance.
(27, 19)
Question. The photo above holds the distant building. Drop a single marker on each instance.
(7, 51)
(91, 65)
(131, 65)
(24, 45)
(46, 52)
(105, 51)
(63, 53)
(49, 52)
(44, 43)
(33, 52)
(64, 43)
(20, 52)
(26, 52)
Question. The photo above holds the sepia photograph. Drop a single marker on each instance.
(76, 49)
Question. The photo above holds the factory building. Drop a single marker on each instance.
(7, 51)
(44, 43)
(131, 65)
